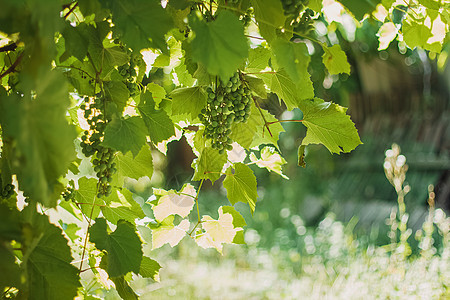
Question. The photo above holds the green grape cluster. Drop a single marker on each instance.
(103, 161)
(293, 7)
(104, 167)
(68, 194)
(7, 191)
(91, 139)
(228, 104)
(128, 71)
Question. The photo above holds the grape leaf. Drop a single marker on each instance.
(167, 233)
(217, 232)
(42, 134)
(117, 92)
(123, 246)
(172, 202)
(359, 8)
(280, 83)
(220, 45)
(416, 35)
(262, 135)
(134, 167)
(258, 59)
(159, 125)
(114, 214)
(269, 15)
(238, 219)
(104, 55)
(76, 40)
(335, 60)
(50, 274)
(188, 101)
(85, 194)
(294, 59)
(209, 164)
(241, 186)
(328, 124)
(149, 268)
(270, 159)
(253, 132)
(315, 5)
(141, 23)
(158, 92)
(10, 275)
(257, 86)
(125, 135)
(123, 288)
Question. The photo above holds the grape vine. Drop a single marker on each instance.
(229, 103)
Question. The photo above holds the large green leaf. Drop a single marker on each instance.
(47, 261)
(416, 35)
(209, 165)
(328, 124)
(44, 139)
(123, 246)
(141, 23)
(137, 167)
(294, 58)
(220, 45)
(149, 268)
(85, 195)
(117, 92)
(123, 288)
(125, 135)
(76, 40)
(258, 59)
(254, 132)
(188, 101)
(270, 16)
(360, 7)
(241, 185)
(160, 126)
(104, 55)
(335, 60)
(280, 83)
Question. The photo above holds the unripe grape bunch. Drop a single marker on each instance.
(104, 165)
(228, 104)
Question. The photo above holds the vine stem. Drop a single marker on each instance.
(87, 233)
(76, 68)
(263, 72)
(196, 199)
(255, 37)
(266, 124)
(70, 10)
(12, 68)
(284, 121)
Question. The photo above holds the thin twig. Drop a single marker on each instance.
(9, 47)
(70, 11)
(262, 115)
(282, 121)
(12, 68)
